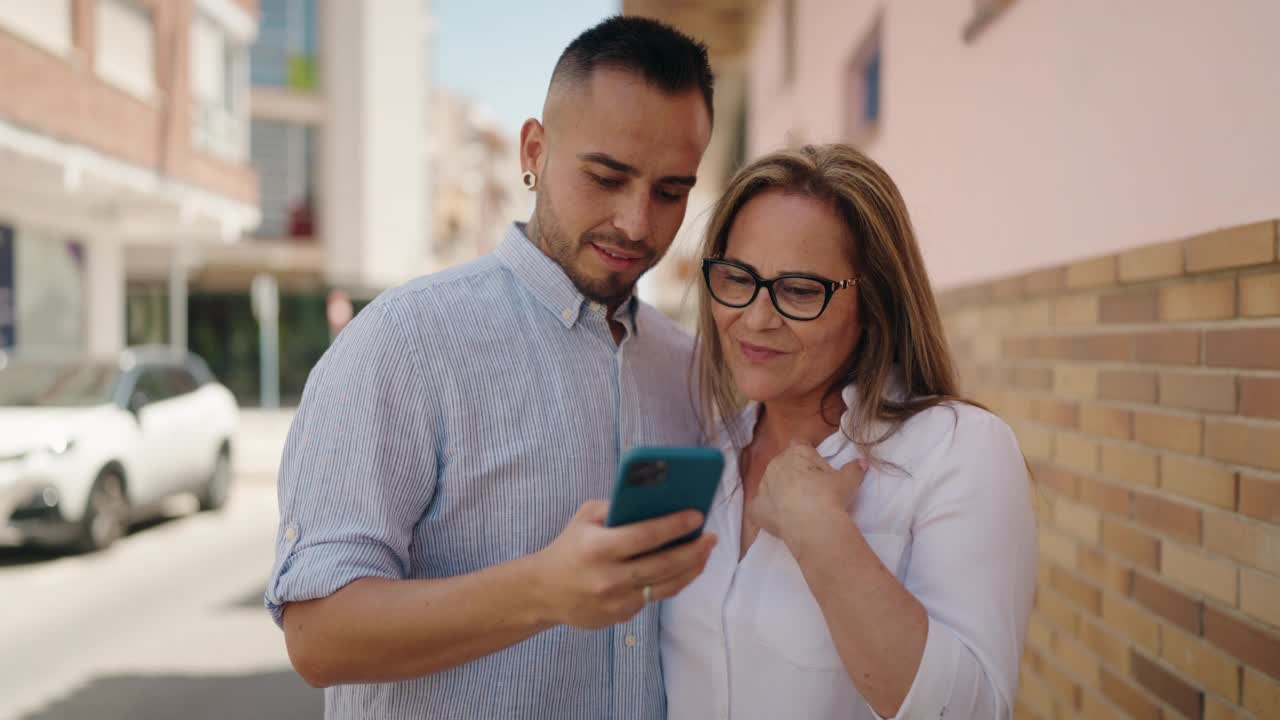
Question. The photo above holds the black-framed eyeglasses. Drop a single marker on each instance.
(796, 296)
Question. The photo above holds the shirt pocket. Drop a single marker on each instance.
(788, 620)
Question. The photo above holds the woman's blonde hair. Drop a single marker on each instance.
(900, 332)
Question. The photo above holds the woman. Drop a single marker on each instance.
(877, 553)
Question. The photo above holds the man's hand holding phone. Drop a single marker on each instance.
(593, 576)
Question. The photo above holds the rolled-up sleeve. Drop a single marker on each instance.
(359, 465)
(973, 568)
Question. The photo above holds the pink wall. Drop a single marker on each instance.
(1070, 128)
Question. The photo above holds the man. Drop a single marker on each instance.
(441, 550)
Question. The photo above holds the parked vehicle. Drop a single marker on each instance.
(90, 446)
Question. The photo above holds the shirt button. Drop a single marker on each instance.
(630, 640)
(291, 534)
(567, 314)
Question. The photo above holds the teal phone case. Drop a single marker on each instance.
(656, 481)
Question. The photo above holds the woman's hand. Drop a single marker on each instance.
(799, 483)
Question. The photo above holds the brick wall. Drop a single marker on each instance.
(1145, 391)
(63, 97)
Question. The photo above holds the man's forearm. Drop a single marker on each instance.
(379, 630)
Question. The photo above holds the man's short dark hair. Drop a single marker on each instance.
(662, 55)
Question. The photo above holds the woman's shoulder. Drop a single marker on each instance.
(948, 431)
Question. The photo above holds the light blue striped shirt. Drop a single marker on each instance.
(458, 423)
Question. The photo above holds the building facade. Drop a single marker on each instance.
(124, 124)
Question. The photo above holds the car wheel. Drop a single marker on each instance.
(217, 489)
(106, 519)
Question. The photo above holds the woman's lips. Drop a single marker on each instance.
(758, 353)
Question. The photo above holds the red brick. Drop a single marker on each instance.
(1152, 262)
(1051, 348)
(1013, 348)
(1249, 348)
(1058, 413)
(1260, 596)
(1135, 306)
(1244, 443)
(1107, 421)
(1207, 666)
(1260, 397)
(1115, 347)
(1206, 574)
(1260, 295)
(1136, 546)
(1246, 541)
(1045, 281)
(1130, 464)
(1104, 643)
(1097, 272)
(1060, 481)
(1172, 605)
(1206, 392)
(1261, 695)
(1009, 288)
(1103, 572)
(1239, 246)
(1167, 686)
(1260, 498)
(1179, 347)
(1176, 520)
(1033, 378)
(1205, 482)
(1137, 705)
(1172, 432)
(1078, 591)
(1078, 452)
(1075, 381)
(1075, 310)
(1250, 642)
(1127, 386)
(1213, 300)
(1102, 495)
(1130, 621)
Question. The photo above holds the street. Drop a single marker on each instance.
(168, 623)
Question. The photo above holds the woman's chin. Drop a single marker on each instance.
(755, 388)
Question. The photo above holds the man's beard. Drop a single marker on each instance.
(610, 290)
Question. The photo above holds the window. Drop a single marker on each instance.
(49, 291)
(219, 84)
(285, 52)
(124, 50)
(46, 23)
(181, 381)
(284, 156)
(156, 384)
(863, 82)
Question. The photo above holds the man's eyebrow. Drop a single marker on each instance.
(608, 162)
(619, 166)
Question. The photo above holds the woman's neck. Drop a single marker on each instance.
(784, 420)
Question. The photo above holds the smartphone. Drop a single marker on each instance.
(657, 481)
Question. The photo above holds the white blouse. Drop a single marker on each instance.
(747, 639)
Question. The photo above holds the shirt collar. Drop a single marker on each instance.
(546, 280)
(837, 441)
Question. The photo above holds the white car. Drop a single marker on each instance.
(87, 447)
